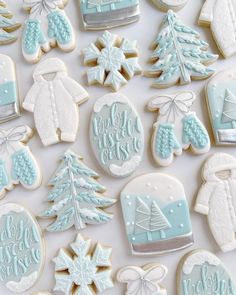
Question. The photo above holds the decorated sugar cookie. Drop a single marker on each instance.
(42, 293)
(201, 272)
(17, 164)
(221, 100)
(165, 5)
(179, 54)
(9, 98)
(82, 270)
(22, 248)
(47, 26)
(143, 281)
(77, 196)
(177, 127)
(113, 61)
(104, 14)
(7, 25)
(54, 99)
(217, 199)
(116, 135)
(156, 214)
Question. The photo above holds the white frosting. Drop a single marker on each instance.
(10, 207)
(170, 4)
(42, 293)
(24, 284)
(127, 167)
(108, 100)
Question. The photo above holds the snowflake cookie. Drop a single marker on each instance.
(143, 280)
(46, 27)
(82, 271)
(115, 59)
(179, 54)
(17, 164)
(77, 196)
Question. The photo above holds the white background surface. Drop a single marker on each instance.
(186, 168)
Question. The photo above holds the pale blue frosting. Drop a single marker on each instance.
(8, 93)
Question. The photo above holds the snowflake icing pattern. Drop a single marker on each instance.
(116, 61)
(82, 273)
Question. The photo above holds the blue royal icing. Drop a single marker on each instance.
(8, 93)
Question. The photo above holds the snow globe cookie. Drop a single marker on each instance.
(9, 97)
(165, 5)
(113, 61)
(143, 280)
(179, 54)
(104, 14)
(156, 214)
(221, 101)
(201, 272)
(177, 127)
(217, 199)
(77, 196)
(22, 248)
(116, 135)
(83, 270)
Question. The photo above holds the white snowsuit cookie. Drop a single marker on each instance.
(217, 199)
(53, 99)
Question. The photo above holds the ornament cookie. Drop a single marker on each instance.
(17, 164)
(77, 196)
(9, 98)
(156, 214)
(143, 281)
(201, 272)
(104, 14)
(177, 127)
(165, 5)
(82, 270)
(116, 135)
(114, 61)
(22, 248)
(54, 99)
(179, 55)
(216, 199)
(221, 101)
(47, 26)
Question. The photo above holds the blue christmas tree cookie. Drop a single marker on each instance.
(201, 272)
(103, 14)
(177, 127)
(156, 214)
(22, 248)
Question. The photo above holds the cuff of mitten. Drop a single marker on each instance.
(201, 209)
(81, 97)
(205, 18)
(28, 106)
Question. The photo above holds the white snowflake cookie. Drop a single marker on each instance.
(217, 199)
(143, 280)
(79, 271)
(165, 5)
(113, 61)
(179, 55)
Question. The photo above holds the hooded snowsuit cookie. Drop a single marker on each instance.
(53, 99)
(217, 199)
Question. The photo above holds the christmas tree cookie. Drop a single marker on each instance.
(177, 127)
(156, 214)
(76, 195)
(104, 14)
(7, 25)
(179, 55)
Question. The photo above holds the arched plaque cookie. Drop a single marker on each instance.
(116, 135)
(201, 272)
(22, 248)
(156, 214)
(165, 5)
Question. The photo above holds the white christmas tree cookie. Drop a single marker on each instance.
(165, 5)
(143, 280)
(113, 61)
(77, 196)
(201, 272)
(179, 55)
(217, 199)
(54, 99)
(47, 26)
(7, 25)
(17, 163)
(80, 271)
(177, 127)
(156, 214)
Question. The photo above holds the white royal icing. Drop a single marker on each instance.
(170, 4)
